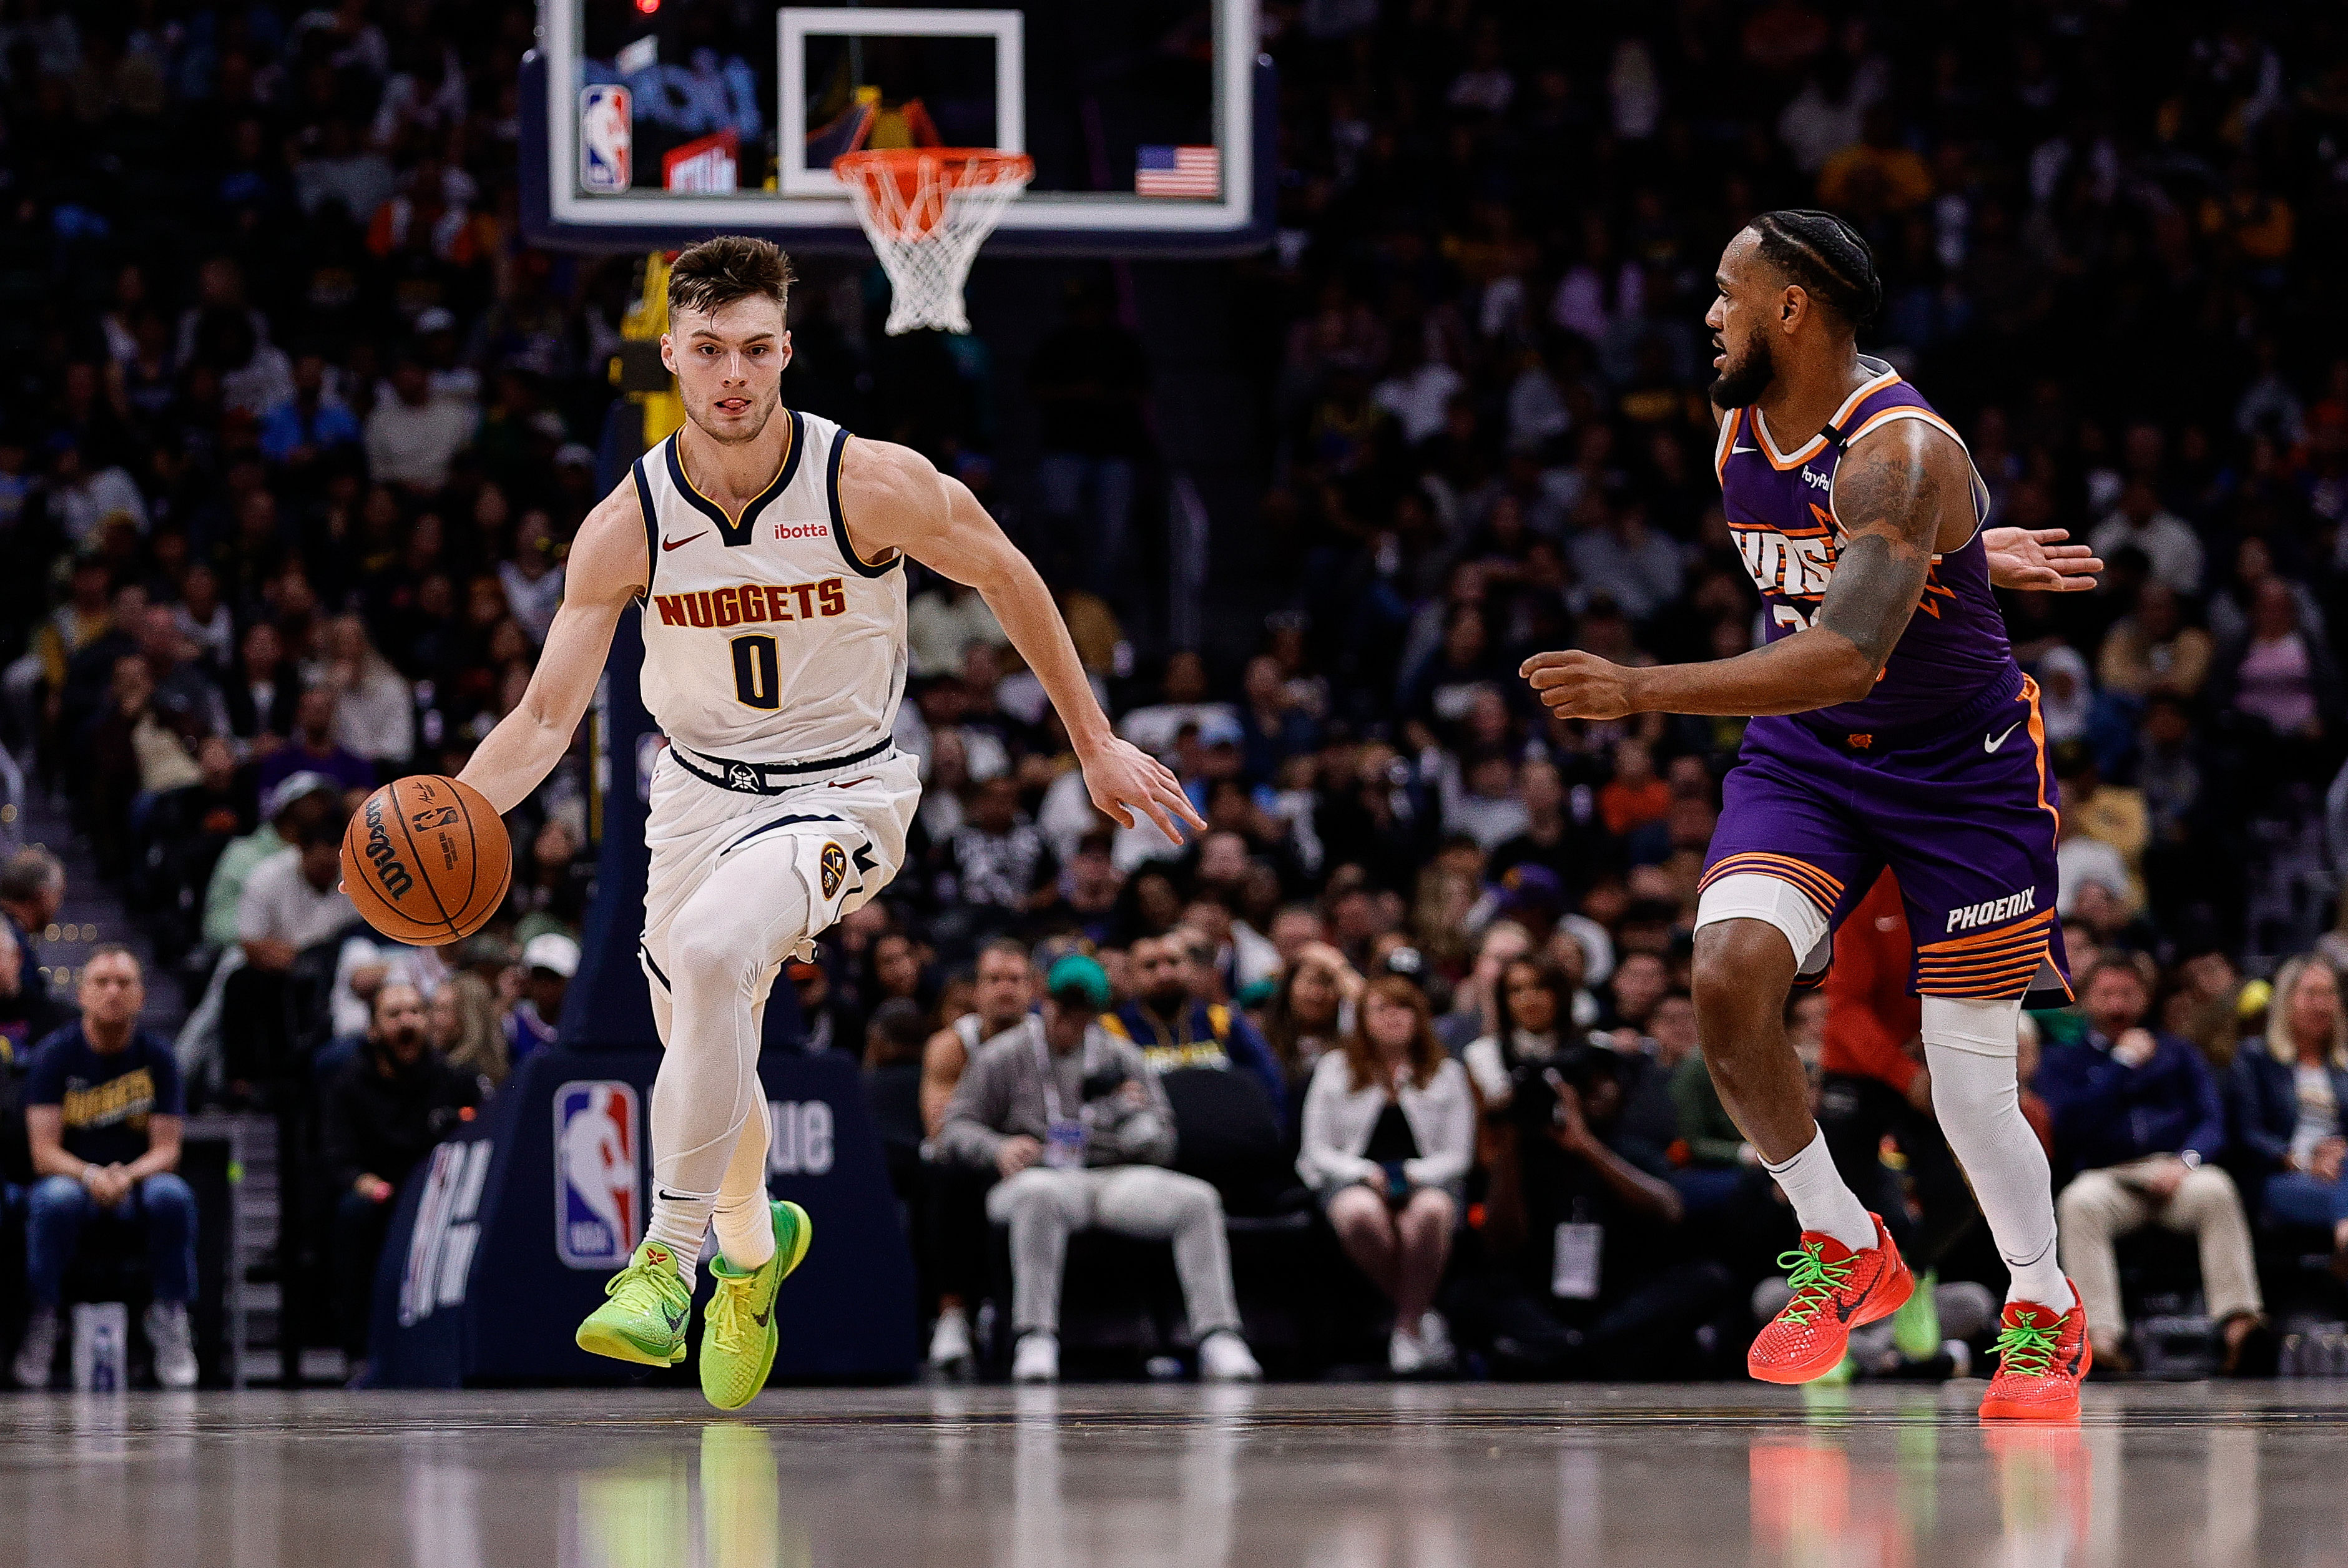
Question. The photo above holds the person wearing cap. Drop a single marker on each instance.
(292, 902)
(292, 899)
(1075, 1123)
(548, 961)
(1532, 896)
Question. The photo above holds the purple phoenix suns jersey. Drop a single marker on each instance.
(1780, 503)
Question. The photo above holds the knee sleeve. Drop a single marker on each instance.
(1970, 1044)
(1982, 1027)
(1772, 901)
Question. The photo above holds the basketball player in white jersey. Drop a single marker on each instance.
(766, 548)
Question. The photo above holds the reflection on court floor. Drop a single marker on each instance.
(1409, 1477)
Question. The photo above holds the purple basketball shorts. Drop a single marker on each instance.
(1963, 810)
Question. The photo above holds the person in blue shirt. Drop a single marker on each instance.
(2138, 1117)
(103, 1111)
(1175, 1029)
(549, 960)
(309, 423)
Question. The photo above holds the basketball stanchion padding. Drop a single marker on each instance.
(426, 860)
(927, 209)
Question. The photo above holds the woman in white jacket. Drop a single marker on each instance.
(1389, 1131)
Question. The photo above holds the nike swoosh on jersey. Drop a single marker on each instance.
(667, 545)
(1991, 743)
(1733, 451)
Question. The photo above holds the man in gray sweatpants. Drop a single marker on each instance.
(1075, 1121)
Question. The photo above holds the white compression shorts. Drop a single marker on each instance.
(1772, 901)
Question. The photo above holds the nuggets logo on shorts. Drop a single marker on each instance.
(834, 862)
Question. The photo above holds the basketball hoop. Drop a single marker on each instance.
(927, 209)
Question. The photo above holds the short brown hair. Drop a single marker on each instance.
(115, 950)
(711, 276)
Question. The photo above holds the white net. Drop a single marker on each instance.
(927, 210)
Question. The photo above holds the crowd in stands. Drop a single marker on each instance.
(295, 428)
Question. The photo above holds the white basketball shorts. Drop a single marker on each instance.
(845, 832)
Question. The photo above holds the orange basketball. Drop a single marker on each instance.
(426, 860)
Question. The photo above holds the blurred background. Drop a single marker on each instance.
(295, 428)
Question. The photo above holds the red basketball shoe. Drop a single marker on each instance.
(1836, 1290)
(2040, 1359)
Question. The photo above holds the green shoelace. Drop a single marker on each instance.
(1814, 1280)
(646, 1288)
(2026, 1349)
(734, 1327)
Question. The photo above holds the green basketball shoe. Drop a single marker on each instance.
(738, 1330)
(643, 1318)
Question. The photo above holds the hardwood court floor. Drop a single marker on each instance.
(1132, 1477)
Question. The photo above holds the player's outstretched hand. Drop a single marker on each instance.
(1123, 779)
(1578, 685)
(2037, 557)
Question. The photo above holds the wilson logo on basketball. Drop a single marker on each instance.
(754, 601)
(388, 869)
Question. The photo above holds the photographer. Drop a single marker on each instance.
(1584, 1272)
(1075, 1122)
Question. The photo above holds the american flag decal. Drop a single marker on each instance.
(1179, 171)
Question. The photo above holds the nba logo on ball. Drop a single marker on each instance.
(598, 1201)
(606, 139)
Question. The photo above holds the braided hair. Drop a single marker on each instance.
(1826, 256)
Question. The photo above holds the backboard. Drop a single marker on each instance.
(651, 122)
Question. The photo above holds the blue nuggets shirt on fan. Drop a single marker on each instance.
(105, 1099)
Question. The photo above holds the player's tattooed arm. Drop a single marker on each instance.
(1898, 494)
(1889, 499)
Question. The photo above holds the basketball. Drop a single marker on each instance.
(426, 860)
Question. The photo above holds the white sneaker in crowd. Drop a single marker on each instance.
(174, 1344)
(1405, 1355)
(1224, 1358)
(950, 1346)
(38, 1351)
(1038, 1359)
(1434, 1338)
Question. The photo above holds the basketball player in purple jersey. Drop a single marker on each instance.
(1892, 727)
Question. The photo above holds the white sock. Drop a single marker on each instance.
(745, 1225)
(679, 1222)
(706, 1101)
(1970, 1046)
(1822, 1201)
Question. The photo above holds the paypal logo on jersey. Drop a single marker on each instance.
(1817, 481)
(598, 1207)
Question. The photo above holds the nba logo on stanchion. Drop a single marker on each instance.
(606, 139)
(599, 1206)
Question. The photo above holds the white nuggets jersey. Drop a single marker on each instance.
(769, 640)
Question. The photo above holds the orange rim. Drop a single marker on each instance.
(924, 177)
